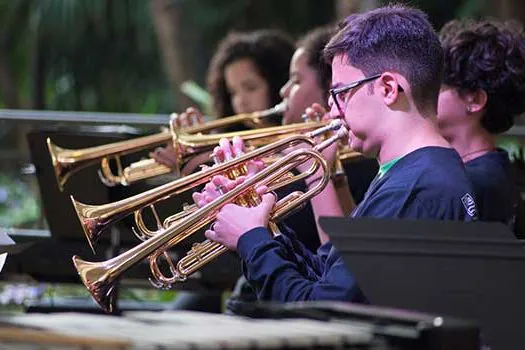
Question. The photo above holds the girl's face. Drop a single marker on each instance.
(302, 89)
(249, 92)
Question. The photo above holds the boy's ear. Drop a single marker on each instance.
(389, 88)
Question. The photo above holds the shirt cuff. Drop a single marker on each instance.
(251, 239)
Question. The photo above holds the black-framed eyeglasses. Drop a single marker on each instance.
(342, 89)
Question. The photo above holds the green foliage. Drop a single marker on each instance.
(199, 95)
(92, 55)
(473, 9)
(104, 55)
(18, 205)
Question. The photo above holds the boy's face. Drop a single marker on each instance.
(360, 106)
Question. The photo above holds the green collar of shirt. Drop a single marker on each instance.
(383, 169)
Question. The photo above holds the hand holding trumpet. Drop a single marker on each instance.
(190, 117)
(234, 220)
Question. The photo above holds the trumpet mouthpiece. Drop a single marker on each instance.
(336, 124)
(342, 133)
(281, 107)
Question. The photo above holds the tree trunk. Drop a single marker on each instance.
(8, 86)
(509, 9)
(167, 20)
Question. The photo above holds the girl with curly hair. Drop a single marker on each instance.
(244, 76)
(247, 72)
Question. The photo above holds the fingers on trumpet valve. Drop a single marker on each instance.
(191, 116)
(315, 112)
(231, 149)
(218, 186)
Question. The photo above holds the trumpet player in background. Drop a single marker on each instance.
(245, 75)
(387, 94)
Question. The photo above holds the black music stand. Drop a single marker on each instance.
(50, 260)
(467, 270)
(86, 187)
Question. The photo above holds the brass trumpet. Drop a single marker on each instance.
(96, 218)
(66, 162)
(100, 277)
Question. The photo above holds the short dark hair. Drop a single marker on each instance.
(395, 38)
(271, 52)
(487, 55)
(313, 44)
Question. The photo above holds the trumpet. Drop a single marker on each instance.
(66, 162)
(94, 219)
(100, 277)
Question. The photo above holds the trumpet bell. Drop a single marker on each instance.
(66, 162)
(63, 167)
(98, 281)
(94, 220)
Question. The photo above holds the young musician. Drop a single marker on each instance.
(306, 94)
(310, 75)
(244, 76)
(386, 65)
(247, 72)
(483, 90)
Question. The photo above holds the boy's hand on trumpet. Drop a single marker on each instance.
(220, 184)
(233, 220)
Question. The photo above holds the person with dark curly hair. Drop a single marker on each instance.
(483, 91)
(247, 72)
(244, 76)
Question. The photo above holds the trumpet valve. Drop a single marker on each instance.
(199, 255)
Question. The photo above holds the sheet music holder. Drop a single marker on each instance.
(50, 259)
(468, 270)
(84, 185)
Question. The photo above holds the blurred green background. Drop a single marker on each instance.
(133, 55)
